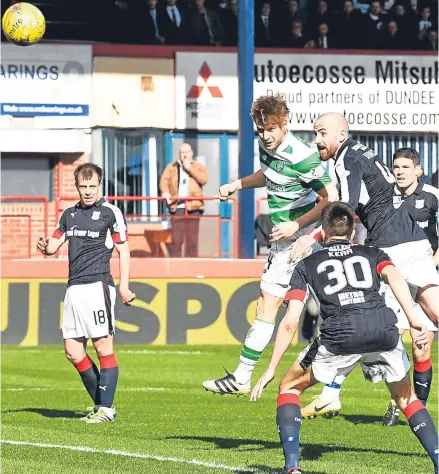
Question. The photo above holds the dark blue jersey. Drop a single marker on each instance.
(92, 233)
(423, 206)
(368, 185)
(345, 279)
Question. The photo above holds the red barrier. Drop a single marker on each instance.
(234, 220)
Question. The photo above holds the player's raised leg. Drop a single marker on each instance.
(257, 339)
(292, 173)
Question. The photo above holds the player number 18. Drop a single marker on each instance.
(99, 316)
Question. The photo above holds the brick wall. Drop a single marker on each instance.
(14, 223)
(67, 165)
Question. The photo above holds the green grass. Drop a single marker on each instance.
(162, 410)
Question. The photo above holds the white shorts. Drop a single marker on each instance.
(415, 262)
(391, 366)
(277, 272)
(89, 310)
(403, 322)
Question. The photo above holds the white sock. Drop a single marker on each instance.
(331, 391)
(258, 338)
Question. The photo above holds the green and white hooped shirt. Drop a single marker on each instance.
(292, 173)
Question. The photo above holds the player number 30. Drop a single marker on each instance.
(343, 274)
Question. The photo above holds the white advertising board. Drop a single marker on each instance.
(376, 93)
(50, 83)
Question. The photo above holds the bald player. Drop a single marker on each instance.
(368, 185)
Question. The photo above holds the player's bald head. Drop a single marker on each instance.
(330, 130)
(333, 121)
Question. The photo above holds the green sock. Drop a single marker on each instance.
(258, 338)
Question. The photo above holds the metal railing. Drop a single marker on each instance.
(161, 221)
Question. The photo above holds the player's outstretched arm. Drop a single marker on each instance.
(285, 333)
(126, 295)
(49, 245)
(255, 180)
(402, 293)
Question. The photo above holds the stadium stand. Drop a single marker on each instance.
(325, 24)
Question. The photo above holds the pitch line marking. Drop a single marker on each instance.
(119, 351)
(52, 389)
(114, 452)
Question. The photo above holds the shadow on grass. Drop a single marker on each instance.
(48, 412)
(309, 452)
(260, 469)
(366, 419)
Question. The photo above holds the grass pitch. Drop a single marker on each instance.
(166, 422)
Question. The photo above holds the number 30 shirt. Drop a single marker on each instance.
(368, 185)
(345, 279)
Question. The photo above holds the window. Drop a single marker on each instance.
(130, 169)
(26, 175)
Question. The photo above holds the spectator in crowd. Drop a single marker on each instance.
(322, 15)
(374, 25)
(291, 15)
(310, 44)
(350, 23)
(204, 25)
(184, 178)
(348, 27)
(424, 23)
(229, 20)
(294, 13)
(148, 23)
(172, 23)
(324, 40)
(296, 38)
(409, 5)
(392, 38)
(264, 26)
(406, 26)
(430, 42)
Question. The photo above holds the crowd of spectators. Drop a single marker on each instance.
(326, 24)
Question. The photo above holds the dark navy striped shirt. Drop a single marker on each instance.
(92, 233)
(368, 185)
(423, 206)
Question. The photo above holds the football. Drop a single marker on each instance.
(23, 24)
